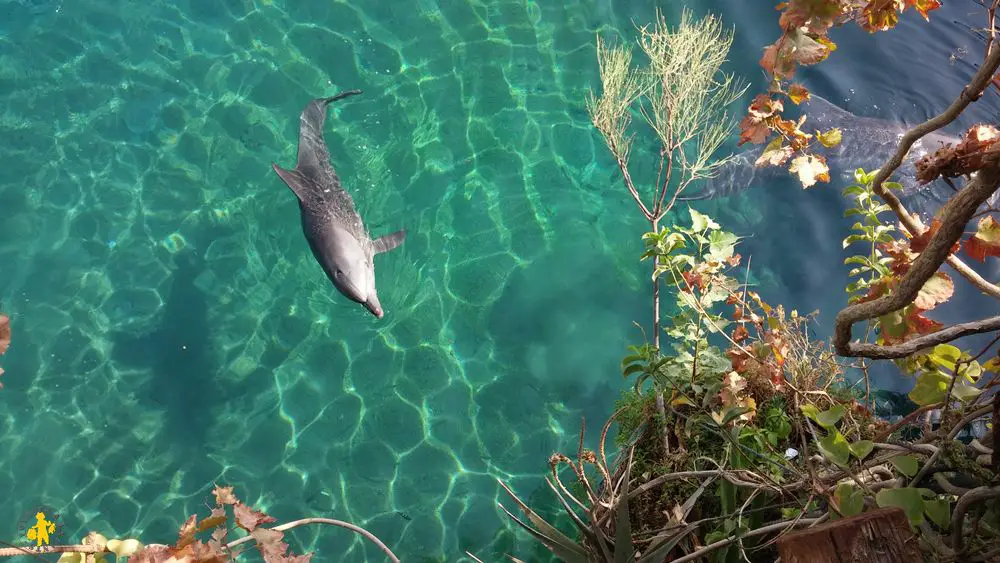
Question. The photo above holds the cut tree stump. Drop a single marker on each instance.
(878, 536)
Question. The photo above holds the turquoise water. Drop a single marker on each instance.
(172, 329)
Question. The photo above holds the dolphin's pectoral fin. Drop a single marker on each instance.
(388, 242)
(291, 180)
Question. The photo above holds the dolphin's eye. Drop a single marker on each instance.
(338, 274)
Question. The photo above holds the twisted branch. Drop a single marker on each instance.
(980, 81)
(954, 216)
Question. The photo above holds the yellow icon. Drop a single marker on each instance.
(40, 531)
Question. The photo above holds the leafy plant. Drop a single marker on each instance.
(871, 231)
(683, 95)
(4, 337)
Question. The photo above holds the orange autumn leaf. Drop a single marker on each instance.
(881, 15)
(986, 241)
(899, 326)
(755, 125)
(792, 130)
(740, 334)
(919, 243)
(816, 15)
(693, 280)
(799, 46)
(924, 6)
(798, 93)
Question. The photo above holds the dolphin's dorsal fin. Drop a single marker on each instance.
(388, 242)
(293, 180)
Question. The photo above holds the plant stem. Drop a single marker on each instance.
(661, 407)
(356, 529)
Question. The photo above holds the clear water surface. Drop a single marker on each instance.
(172, 329)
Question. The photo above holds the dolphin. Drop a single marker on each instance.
(867, 143)
(336, 234)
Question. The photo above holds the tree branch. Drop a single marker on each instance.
(963, 506)
(954, 216)
(909, 347)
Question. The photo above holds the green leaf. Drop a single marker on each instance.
(854, 190)
(971, 371)
(733, 413)
(905, 464)
(659, 548)
(855, 238)
(829, 138)
(829, 418)
(939, 511)
(965, 392)
(850, 499)
(556, 541)
(809, 410)
(862, 448)
(930, 388)
(790, 513)
(632, 369)
(632, 359)
(624, 550)
(946, 355)
(700, 221)
(835, 448)
(909, 499)
(721, 246)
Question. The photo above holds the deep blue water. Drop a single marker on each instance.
(172, 329)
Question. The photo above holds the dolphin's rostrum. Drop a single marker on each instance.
(337, 236)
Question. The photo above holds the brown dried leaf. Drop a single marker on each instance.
(4, 333)
(186, 534)
(248, 518)
(271, 546)
(775, 154)
(216, 519)
(224, 495)
(152, 554)
(977, 149)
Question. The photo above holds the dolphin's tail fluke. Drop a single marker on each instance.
(311, 122)
(340, 96)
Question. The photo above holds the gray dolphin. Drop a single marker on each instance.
(867, 143)
(337, 236)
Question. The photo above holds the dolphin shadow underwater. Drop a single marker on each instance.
(335, 232)
(867, 143)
